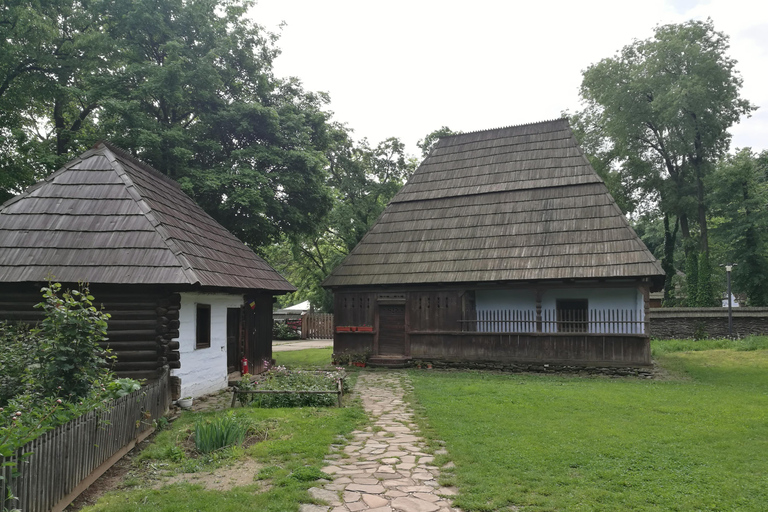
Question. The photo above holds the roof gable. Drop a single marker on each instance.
(512, 204)
(109, 218)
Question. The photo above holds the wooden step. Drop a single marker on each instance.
(389, 361)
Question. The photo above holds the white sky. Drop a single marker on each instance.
(405, 68)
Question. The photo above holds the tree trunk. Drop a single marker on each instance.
(702, 213)
(668, 260)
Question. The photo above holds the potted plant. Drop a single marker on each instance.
(359, 359)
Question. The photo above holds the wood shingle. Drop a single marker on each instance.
(513, 204)
(106, 217)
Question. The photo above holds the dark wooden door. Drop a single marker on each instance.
(233, 339)
(392, 330)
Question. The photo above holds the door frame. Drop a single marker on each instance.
(392, 299)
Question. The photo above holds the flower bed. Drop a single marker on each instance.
(292, 388)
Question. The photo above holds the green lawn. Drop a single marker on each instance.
(697, 442)
(293, 443)
(308, 358)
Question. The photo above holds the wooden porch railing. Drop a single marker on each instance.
(593, 321)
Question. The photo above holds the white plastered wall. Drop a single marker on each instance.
(601, 299)
(629, 298)
(204, 370)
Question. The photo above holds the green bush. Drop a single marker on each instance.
(18, 357)
(281, 331)
(219, 432)
(71, 359)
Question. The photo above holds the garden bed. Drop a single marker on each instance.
(281, 387)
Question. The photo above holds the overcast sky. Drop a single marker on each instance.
(405, 68)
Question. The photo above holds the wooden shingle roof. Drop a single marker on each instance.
(106, 217)
(512, 204)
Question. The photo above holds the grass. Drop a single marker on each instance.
(662, 347)
(566, 443)
(293, 443)
(308, 358)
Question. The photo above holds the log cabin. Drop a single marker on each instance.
(181, 290)
(503, 246)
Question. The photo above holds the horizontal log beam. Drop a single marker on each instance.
(124, 356)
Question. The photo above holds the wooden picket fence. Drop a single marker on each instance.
(64, 461)
(317, 326)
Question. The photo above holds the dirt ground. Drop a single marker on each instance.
(240, 473)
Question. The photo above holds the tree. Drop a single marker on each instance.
(664, 107)
(53, 71)
(739, 195)
(186, 85)
(427, 143)
(363, 180)
(199, 101)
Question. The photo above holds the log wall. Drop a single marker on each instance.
(142, 329)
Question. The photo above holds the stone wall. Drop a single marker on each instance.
(699, 323)
(612, 371)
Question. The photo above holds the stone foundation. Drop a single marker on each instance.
(626, 371)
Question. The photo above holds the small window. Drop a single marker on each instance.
(203, 326)
(572, 315)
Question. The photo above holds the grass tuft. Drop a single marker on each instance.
(215, 433)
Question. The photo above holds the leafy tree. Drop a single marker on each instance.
(705, 293)
(363, 180)
(53, 70)
(739, 195)
(663, 107)
(185, 85)
(427, 143)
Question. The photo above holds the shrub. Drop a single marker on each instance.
(71, 359)
(18, 356)
(281, 331)
(122, 387)
(219, 432)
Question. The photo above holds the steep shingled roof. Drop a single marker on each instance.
(106, 217)
(511, 204)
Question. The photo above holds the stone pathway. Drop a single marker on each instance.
(384, 468)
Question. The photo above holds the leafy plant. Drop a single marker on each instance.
(282, 379)
(282, 331)
(219, 432)
(17, 358)
(71, 358)
(122, 387)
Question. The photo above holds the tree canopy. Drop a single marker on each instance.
(186, 86)
(657, 116)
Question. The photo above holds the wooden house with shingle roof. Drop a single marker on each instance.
(181, 289)
(503, 246)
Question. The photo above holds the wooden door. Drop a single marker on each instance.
(392, 330)
(233, 339)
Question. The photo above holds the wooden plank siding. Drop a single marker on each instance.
(567, 348)
(258, 330)
(144, 322)
(443, 324)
